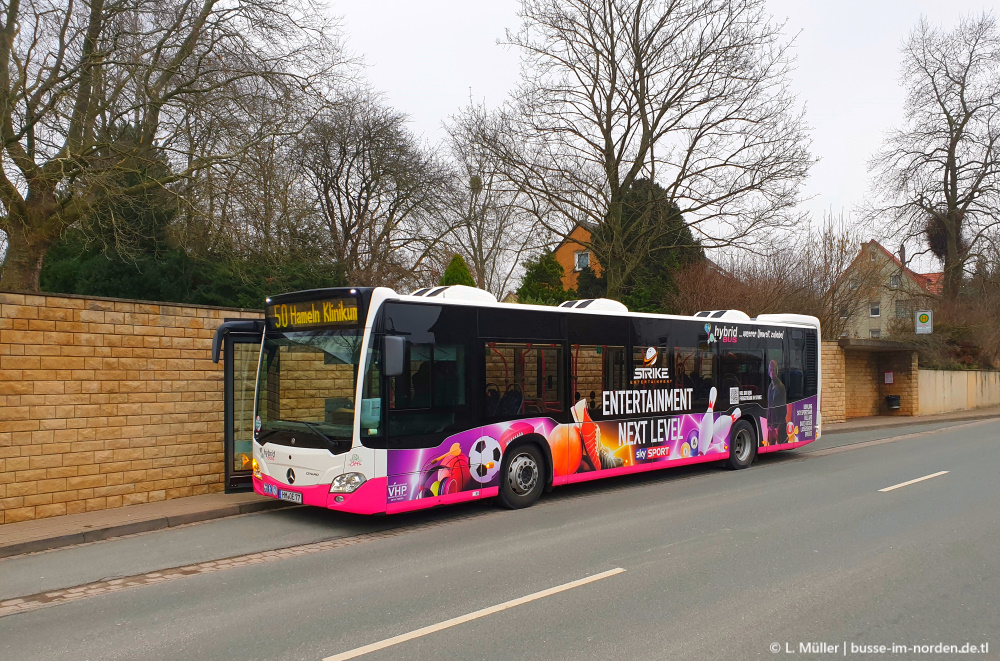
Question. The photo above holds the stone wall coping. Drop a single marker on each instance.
(936, 369)
(135, 301)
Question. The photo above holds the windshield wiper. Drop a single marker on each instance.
(313, 427)
(265, 434)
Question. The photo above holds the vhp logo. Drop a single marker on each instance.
(397, 491)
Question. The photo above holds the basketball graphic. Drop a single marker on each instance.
(567, 449)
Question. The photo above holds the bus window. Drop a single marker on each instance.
(694, 368)
(371, 396)
(426, 397)
(435, 378)
(523, 380)
(428, 401)
(595, 368)
(741, 377)
(793, 372)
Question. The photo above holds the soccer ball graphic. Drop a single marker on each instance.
(485, 457)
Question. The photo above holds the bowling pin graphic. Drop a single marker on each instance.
(706, 430)
(722, 427)
(589, 432)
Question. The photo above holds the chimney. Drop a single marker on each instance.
(902, 255)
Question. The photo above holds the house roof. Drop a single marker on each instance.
(935, 282)
(584, 224)
(930, 282)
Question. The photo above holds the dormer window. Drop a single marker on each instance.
(581, 260)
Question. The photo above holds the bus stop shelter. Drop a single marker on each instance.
(876, 373)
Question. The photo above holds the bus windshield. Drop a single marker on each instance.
(305, 389)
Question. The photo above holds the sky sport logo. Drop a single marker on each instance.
(658, 452)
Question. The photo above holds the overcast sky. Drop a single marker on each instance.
(426, 56)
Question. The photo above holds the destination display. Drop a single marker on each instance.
(309, 315)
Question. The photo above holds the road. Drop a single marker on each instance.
(692, 563)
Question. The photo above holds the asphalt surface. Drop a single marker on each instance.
(800, 548)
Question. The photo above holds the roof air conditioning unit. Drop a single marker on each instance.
(456, 293)
(601, 304)
(724, 315)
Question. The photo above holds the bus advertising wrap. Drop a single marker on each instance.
(584, 449)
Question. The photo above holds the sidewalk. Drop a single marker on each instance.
(58, 531)
(885, 421)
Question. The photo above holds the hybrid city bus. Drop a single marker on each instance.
(369, 401)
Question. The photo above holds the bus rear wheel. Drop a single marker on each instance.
(521, 478)
(742, 445)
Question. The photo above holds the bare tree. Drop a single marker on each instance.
(939, 176)
(818, 274)
(378, 189)
(690, 94)
(498, 223)
(71, 74)
(258, 204)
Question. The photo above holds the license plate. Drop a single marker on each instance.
(290, 496)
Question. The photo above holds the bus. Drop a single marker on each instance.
(372, 402)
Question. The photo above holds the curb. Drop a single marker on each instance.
(909, 421)
(134, 527)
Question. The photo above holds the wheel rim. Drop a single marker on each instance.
(741, 445)
(522, 474)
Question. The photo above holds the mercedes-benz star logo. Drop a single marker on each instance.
(291, 476)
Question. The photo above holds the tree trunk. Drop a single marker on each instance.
(22, 267)
(954, 259)
(953, 271)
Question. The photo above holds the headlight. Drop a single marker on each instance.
(256, 468)
(347, 483)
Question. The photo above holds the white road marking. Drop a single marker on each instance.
(455, 621)
(909, 482)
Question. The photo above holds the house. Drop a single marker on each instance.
(877, 293)
(573, 254)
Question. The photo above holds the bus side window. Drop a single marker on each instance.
(793, 373)
(742, 372)
(695, 368)
(522, 380)
(428, 401)
(594, 369)
(429, 396)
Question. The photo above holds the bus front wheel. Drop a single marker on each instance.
(742, 445)
(521, 479)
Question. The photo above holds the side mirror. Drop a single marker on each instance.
(393, 358)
